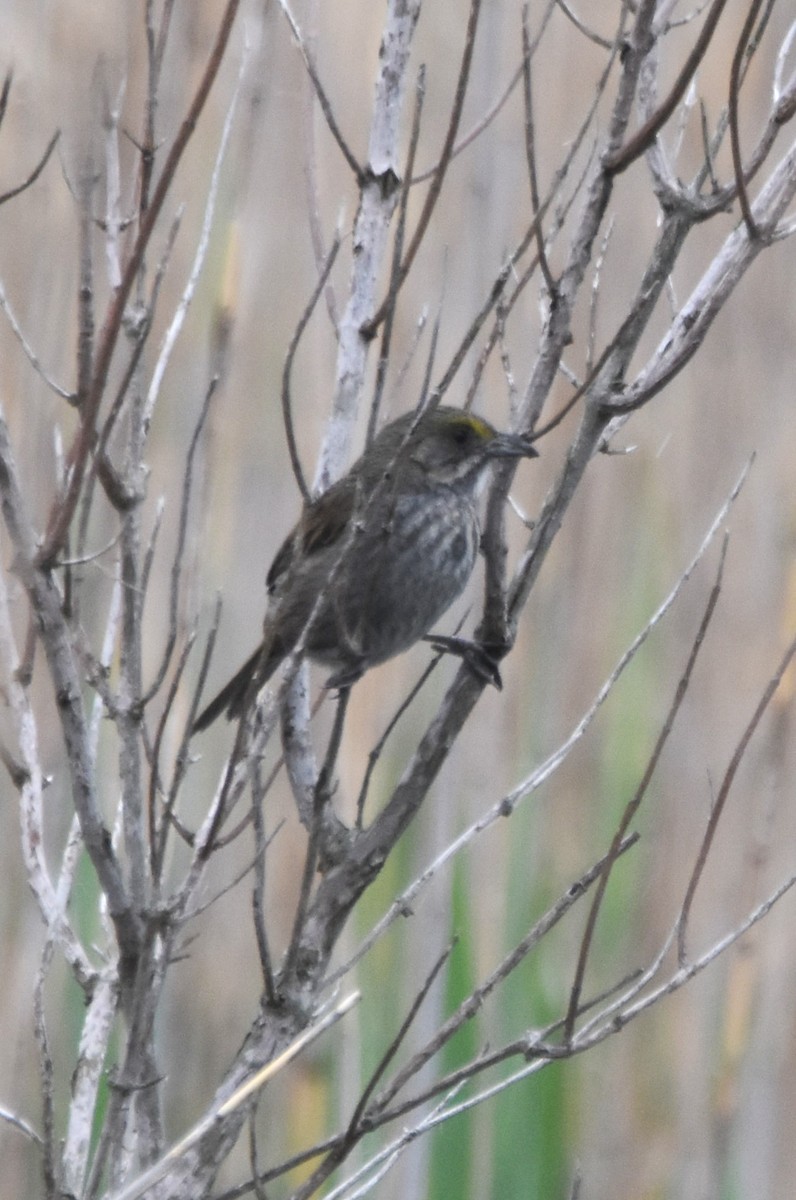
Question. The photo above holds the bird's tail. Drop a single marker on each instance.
(231, 697)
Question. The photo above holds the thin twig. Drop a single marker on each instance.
(323, 99)
(4, 94)
(721, 800)
(488, 117)
(206, 905)
(378, 1114)
(321, 799)
(528, 236)
(527, 786)
(376, 751)
(287, 404)
(620, 159)
(182, 537)
(530, 154)
(633, 805)
(618, 1015)
(313, 189)
(62, 511)
(472, 1003)
(181, 311)
(259, 789)
(30, 353)
(356, 1130)
(614, 1022)
(583, 27)
(182, 760)
(735, 134)
(156, 842)
(257, 1081)
(442, 165)
(143, 328)
(37, 170)
(23, 1126)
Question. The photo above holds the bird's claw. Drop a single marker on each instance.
(481, 657)
(344, 678)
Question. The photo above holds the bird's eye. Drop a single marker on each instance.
(461, 434)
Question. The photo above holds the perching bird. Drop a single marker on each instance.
(379, 557)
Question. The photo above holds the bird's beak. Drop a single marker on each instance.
(511, 445)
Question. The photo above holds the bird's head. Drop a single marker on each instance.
(454, 447)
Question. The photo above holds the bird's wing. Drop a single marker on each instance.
(322, 523)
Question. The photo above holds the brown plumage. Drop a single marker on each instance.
(380, 556)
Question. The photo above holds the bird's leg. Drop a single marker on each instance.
(323, 788)
(481, 657)
(346, 677)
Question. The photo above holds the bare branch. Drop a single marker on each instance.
(86, 1079)
(579, 24)
(442, 165)
(735, 136)
(506, 805)
(252, 1085)
(576, 313)
(486, 120)
(37, 170)
(530, 154)
(620, 160)
(633, 805)
(378, 197)
(30, 353)
(17, 1123)
(189, 291)
(63, 510)
(721, 799)
(287, 404)
(54, 634)
(395, 269)
(323, 99)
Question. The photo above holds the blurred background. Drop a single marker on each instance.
(693, 1099)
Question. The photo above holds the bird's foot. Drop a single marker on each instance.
(345, 677)
(481, 657)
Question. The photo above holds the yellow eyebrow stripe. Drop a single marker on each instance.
(484, 431)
